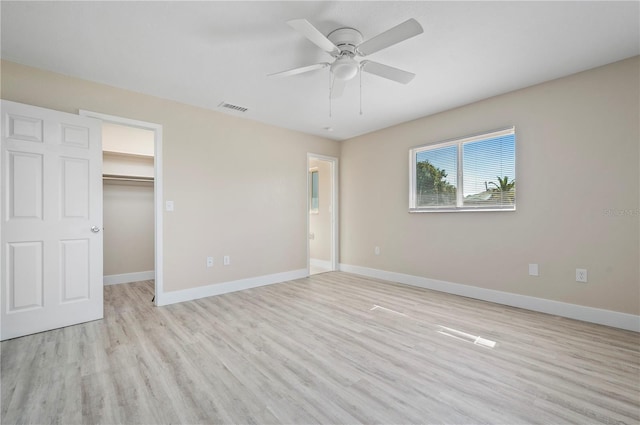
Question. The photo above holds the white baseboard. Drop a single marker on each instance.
(573, 311)
(114, 279)
(320, 263)
(190, 294)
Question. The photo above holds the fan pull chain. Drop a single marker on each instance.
(329, 94)
(361, 91)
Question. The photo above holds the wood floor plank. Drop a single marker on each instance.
(332, 348)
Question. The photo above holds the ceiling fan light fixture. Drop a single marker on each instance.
(345, 68)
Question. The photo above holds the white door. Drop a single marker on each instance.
(51, 253)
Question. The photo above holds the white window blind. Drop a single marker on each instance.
(476, 173)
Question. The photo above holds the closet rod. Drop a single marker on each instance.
(127, 178)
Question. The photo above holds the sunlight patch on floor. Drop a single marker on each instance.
(376, 307)
(463, 336)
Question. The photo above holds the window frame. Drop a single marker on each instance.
(459, 142)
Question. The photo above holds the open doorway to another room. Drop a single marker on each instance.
(322, 214)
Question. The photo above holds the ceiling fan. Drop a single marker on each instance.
(347, 44)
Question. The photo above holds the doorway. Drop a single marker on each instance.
(132, 178)
(322, 202)
(127, 177)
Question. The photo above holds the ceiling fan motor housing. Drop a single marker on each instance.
(347, 40)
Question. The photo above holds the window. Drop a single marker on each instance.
(474, 173)
(313, 206)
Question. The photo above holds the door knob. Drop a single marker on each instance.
(95, 229)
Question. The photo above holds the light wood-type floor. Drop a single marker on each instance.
(317, 270)
(333, 348)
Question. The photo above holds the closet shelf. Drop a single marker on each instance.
(119, 177)
(128, 154)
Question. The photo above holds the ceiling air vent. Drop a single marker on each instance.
(233, 107)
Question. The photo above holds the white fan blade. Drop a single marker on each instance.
(300, 70)
(316, 37)
(387, 71)
(405, 30)
(337, 88)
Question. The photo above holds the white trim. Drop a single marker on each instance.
(157, 189)
(466, 139)
(115, 279)
(320, 263)
(573, 311)
(232, 286)
(335, 225)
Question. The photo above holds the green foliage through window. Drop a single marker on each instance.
(432, 185)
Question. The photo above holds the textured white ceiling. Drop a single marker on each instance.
(204, 53)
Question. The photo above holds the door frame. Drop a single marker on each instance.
(335, 228)
(157, 189)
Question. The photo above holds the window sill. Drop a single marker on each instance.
(462, 209)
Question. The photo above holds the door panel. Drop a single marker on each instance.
(25, 172)
(25, 128)
(51, 182)
(25, 276)
(75, 136)
(74, 270)
(75, 187)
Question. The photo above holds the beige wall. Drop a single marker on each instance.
(239, 186)
(320, 223)
(128, 228)
(578, 195)
(127, 139)
(127, 165)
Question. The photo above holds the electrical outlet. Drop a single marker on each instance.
(226, 260)
(533, 270)
(581, 275)
(209, 261)
(377, 250)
